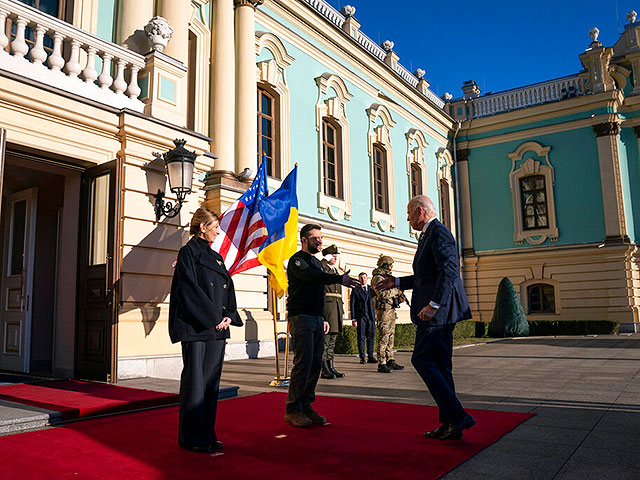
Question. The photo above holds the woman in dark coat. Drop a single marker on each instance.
(203, 305)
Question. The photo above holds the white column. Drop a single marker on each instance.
(246, 130)
(178, 14)
(222, 118)
(133, 15)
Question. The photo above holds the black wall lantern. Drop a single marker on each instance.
(179, 165)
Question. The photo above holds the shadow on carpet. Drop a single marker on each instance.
(364, 439)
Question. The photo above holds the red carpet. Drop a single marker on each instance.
(75, 399)
(366, 439)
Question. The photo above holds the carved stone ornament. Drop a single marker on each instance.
(462, 155)
(606, 129)
(388, 45)
(594, 33)
(158, 32)
(248, 3)
(446, 96)
(419, 73)
(348, 10)
(631, 16)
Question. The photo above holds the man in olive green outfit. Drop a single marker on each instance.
(385, 302)
(334, 312)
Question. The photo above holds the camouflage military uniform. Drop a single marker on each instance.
(383, 302)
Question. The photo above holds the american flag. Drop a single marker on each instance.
(242, 230)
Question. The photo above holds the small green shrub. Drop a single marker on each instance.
(509, 319)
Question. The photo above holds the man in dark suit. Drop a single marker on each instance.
(363, 315)
(438, 302)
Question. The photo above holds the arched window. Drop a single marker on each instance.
(332, 159)
(416, 180)
(541, 298)
(445, 204)
(267, 144)
(380, 179)
(533, 194)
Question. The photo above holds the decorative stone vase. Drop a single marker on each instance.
(158, 33)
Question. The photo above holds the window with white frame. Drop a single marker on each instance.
(334, 166)
(273, 101)
(531, 180)
(380, 148)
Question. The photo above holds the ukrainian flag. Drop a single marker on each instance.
(279, 212)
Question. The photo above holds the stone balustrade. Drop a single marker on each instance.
(536, 94)
(338, 19)
(50, 51)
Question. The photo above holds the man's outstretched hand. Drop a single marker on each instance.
(386, 284)
(350, 282)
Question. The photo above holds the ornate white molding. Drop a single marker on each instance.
(380, 124)
(201, 94)
(275, 46)
(521, 169)
(416, 145)
(334, 107)
(271, 75)
(444, 161)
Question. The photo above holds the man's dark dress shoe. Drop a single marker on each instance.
(382, 368)
(218, 445)
(438, 432)
(394, 366)
(198, 448)
(454, 432)
(372, 359)
(362, 360)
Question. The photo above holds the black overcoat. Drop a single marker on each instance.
(202, 294)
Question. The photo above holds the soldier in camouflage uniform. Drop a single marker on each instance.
(385, 303)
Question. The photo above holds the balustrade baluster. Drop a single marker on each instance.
(119, 84)
(105, 80)
(19, 47)
(89, 74)
(38, 54)
(56, 61)
(73, 68)
(134, 90)
(4, 40)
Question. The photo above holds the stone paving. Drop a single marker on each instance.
(585, 392)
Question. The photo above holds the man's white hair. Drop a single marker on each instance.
(424, 202)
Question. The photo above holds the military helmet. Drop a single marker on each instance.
(385, 260)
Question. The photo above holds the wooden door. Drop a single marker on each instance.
(17, 280)
(98, 273)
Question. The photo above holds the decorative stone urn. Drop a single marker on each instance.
(419, 73)
(348, 10)
(594, 33)
(446, 96)
(631, 16)
(158, 33)
(388, 45)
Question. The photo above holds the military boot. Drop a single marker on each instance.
(326, 373)
(393, 365)
(333, 370)
(382, 368)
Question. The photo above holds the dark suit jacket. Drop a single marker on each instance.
(362, 304)
(202, 294)
(436, 277)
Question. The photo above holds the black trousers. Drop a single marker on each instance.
(366, 328)
(199, 385)
(307, 339)
(432, 360)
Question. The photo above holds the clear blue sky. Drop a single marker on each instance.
(499, 44)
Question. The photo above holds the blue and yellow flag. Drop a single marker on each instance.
(279, 212)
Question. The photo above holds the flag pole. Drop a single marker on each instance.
(278, 381)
